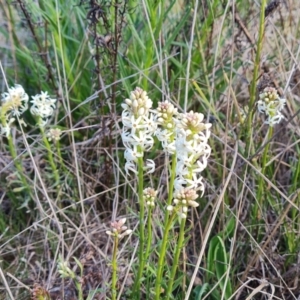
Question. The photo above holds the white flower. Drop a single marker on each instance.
(137, 124)
(143, 139)
(163, 134)
(126, 118)
(150, 166)
(261, 106)
(195, 182)
(15, 101)
(181, 169)
(275, 119)
(130, 166)
(169, 147)
(127, 138)
(183, 146)
(13, 104)
(201, 163)
(151, 124)
(192, 152)
(42, 105)
(166, 137)
(5, 130)
(179, 183)
(138, 128)
(132, 154)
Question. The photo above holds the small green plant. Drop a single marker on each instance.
(218, 262)
(66, 272)
(118, 232)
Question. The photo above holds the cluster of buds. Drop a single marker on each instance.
(150, 196)
(54, 134)
(64, 270)
(182, 200)
(118, 229)
(138, 129)
(165, 114)
(13, 104)
(271, 105)
(243, 113)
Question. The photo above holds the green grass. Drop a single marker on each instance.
(57, 199)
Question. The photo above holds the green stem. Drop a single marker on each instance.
(57, 145)
(255, 72)
(149, 236)
(162, 255)
(172, 178)
(79, 289)
(261, 185)
(171, 187)
(168, 223)
(12, 150)
(114, 269)
(141, 227)
(13, 153)
(50, 156)
(176, 258)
